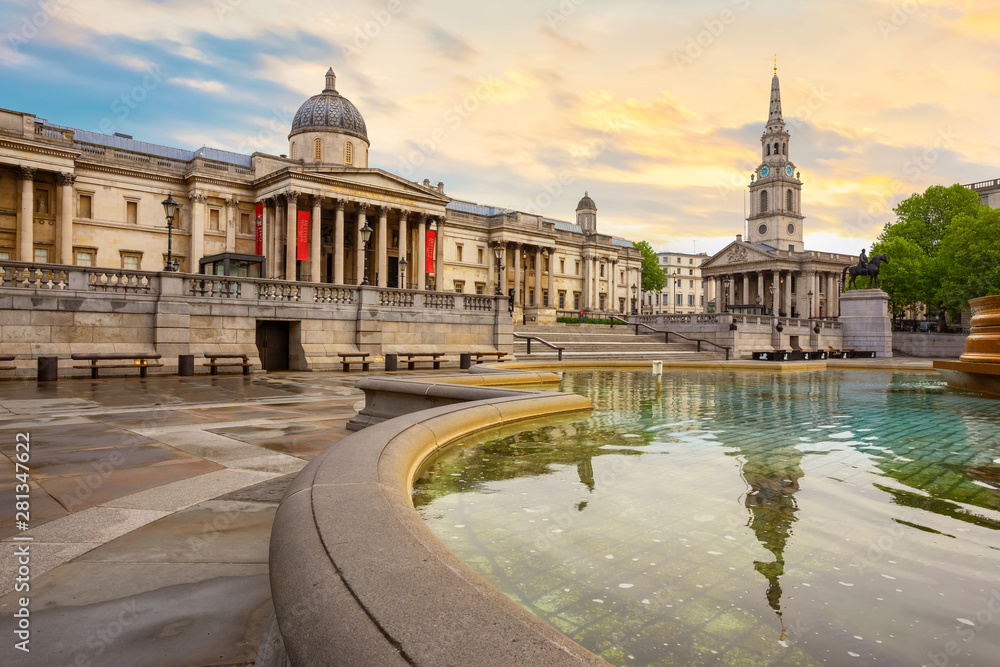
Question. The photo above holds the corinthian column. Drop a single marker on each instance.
(66, 217)
(197, 231)
(291, 232)
(401, 274)
(26, 248)
(315, 238)
(421, 277)
(439, 255)
(338, 242)
(232, 221)
(553, 300)
(383, 247)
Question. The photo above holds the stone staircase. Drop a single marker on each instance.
(593, 342)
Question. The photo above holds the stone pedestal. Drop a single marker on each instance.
(979, 368)
(864, 315)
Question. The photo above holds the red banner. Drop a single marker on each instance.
(259, 233)
(429, 255)
(302, 251)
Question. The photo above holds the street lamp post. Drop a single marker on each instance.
(810, 314)
(725, 285)
(635, 291)
(773, 291)
(170, 210)
(402, 273)
(498, 252)
(366, 236)
(840, 286)
(673, 289)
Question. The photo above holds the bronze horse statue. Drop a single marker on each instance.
(871, 270)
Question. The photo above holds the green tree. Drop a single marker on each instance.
(906, 277)
(923, 218)
(653, 277)
(968, 259)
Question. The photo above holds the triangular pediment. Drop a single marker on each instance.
(374, 186)
(738, 253)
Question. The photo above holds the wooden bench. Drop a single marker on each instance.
(839, 354)
(480, 357)
(139, 360)
(7, 357)
(214, 365)
(412, 358)
(350, 358)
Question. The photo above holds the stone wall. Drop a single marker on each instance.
(936, 345)
(864, 314)
(49, 310)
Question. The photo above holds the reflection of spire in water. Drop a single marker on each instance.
(585, 469)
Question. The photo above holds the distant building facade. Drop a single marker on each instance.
(684, 290)
(988, 191)
(771, 269)
(75, 197)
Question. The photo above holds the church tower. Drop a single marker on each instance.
(775, 189)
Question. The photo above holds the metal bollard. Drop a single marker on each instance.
(48, 369)
(185, 365)
(391, 362)
(465, 360)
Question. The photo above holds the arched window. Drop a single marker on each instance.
(769, 149)
(776, 147)
(763, 201)
(294, 151)
(318, 150)
(788, 200)
(349, 153)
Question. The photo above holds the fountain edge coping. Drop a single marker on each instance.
(347, 546)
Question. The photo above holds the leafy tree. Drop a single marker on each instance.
(906, 277)
(968, 259)
(923, 218)
(653, 277)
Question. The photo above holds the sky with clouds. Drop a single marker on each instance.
(655, 107)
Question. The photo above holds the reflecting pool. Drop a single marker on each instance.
(838, 517)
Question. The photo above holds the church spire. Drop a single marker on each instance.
(774, 114)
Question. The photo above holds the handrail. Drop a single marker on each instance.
(543, 342)
(666, 335)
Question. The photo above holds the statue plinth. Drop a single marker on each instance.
(979, 368)
(864, 318)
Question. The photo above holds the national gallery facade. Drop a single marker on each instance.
(76, 197)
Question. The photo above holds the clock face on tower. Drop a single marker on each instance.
(764, 171)
(788, 170)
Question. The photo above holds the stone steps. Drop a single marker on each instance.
(595, 342)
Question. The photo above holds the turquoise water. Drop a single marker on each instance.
(743, 518)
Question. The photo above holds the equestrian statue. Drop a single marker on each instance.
(864, 267)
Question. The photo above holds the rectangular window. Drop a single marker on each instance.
(86, 206)
(691, 284)
(562, 266)
(41, 255)
(479, 256)
(690, 272)
(545, 298)
(602, 302)
(130, 261)
(546, 263)
(602, 274)
(690, 299)
(678, 260)
(562, 300)
(84, 257)
(691, 260)
(480, 287)
(5, 255)
(531, 297)
(621, 304)
(703, 299)
(459, 286)
(244, 223)
(578, 268)
(132, 213)
(680, 299)
(576, 301)
(213, 219)
(458, 248)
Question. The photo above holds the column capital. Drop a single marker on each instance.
(198, 197)
(403, 213)
(65, 179)
(340, 205)
(362, 207)
(315, 200)
(232, 202)
(290, 196)
(383, 211)
(26, 173)
(421, 217)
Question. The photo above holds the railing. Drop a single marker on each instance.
(395, 298)
(543, 342)
(326, 294)
(268, 291)
(120, 281)
(476, 302)
(439, 301)
(31, 277)
(223, 288)
(667, 334)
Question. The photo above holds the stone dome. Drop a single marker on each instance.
(586, 203)
(329, 111)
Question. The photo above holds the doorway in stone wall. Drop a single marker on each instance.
(272, 345)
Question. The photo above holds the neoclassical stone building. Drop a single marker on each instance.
(75, 197)
(774, 256)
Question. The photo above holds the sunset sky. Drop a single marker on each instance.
(655, 107)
